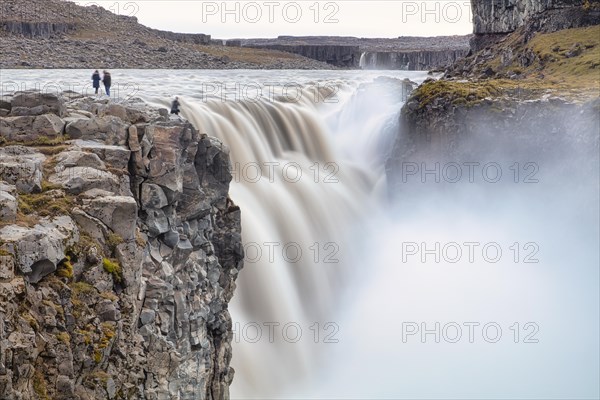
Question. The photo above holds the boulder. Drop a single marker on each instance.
(153, 196)
(37, 103)
(114, 156)
(157, 222)
(8, 202)
(119, 213)
(108, 130)
(38, 250)
(30, 129)
(5, 102)
(22, 167)
(76, 180)
(78, 158)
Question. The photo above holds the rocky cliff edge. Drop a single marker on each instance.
(119, 250)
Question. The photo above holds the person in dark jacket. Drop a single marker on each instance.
(175, 106)
(107, 82)
(96, 80)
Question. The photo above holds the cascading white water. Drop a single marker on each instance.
(362, 61)
(344, 139)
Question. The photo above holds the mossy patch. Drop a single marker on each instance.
(566, 61)
(63, 337)
(114, 268)
(65, 268)
(40, 387)
(455, 92)
(46, 204)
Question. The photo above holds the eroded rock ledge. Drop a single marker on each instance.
(119, 250)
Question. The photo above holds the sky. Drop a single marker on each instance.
(251, 19)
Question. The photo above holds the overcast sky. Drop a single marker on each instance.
(362, 18)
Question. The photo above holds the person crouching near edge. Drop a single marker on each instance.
(96, 81)
(175, 106)
(107, 82)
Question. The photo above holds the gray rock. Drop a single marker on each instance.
(76, 180)
(42, 102)
(38, 250)
(116, 157)
(147, 316)
(108, 130)
(119, 213)
(171, 238)
(107, 311)
(79, 158)
(8, 202)
(153, 196)
(22, 167)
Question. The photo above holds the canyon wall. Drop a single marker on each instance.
(119, 251)
(413, 60)
(494, 19)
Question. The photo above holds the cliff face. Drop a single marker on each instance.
(493, 19)
(486, 127)
(529, 89)
(119, 250)
(352, 52)
(339, 56)
(413, 60)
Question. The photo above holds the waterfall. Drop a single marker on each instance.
(346, 143)
(362, 63)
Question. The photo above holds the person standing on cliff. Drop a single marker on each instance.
(96, 80)
(175, 106)
(107, 82)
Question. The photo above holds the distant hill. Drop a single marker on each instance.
(62, 34)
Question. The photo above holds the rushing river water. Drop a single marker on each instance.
(326, 307)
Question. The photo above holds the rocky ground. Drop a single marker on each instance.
(119, 248)
(60, 34)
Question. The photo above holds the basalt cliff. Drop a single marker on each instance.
(119, 251)
(530, 86)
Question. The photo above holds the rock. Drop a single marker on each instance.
(108, 130)
(22, 167)
(156, 222)
(153, 196)
(31, 129)
(38, 250)
(107, 311)
(147, 316)
(171, 238)
(132, 139)
(79, 158)
(119, 213)
(8, 202)
(38, 103)
(5, 102)
(105, 275)
(76, 180)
